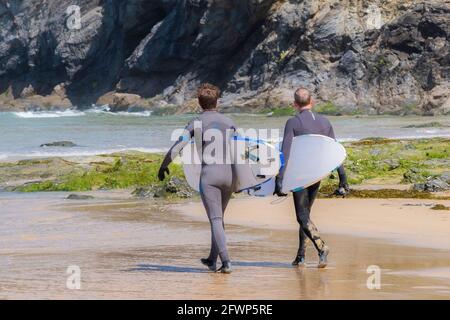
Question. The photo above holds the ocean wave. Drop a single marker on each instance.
(77, 113)
(107, 110)
(74, 153)
(48, 114)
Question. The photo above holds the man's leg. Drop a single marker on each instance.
(303, 239)
(212, 200)
(312, 192)
(303, 242)
(303, 204)
(214, 253)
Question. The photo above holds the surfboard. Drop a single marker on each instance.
(313, 158)
(254, 162)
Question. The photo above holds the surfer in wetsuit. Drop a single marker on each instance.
(307, 122)
(217, 178)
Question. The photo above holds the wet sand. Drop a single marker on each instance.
(130, 249)
(402, 221)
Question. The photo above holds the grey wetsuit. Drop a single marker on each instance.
(306, 122)
(216, 180)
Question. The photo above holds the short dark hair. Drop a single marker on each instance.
(208, 95)
(302, 97)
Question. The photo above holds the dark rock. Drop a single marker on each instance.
(65, 144)
(179, 187)
(149, 192)
(174, 186)
(386, 57)
(79, 197)
(445, 177)
(433, 185)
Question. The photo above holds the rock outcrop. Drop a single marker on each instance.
(378, 56)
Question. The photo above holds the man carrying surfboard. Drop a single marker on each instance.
(304, 123)
(217, 177)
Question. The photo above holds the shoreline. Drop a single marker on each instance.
(376, 168)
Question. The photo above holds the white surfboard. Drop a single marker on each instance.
(312, 158)
(254, 161)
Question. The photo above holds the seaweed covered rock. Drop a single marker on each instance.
(413, 175)
(179, 187)
(79, 197)
(175, 186)
(153, 191)
(65, 144)
(432, 185)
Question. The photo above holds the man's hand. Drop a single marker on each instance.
(162, 173)
(278, 188)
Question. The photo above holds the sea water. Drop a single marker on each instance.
(97, 131)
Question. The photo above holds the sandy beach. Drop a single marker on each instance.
(402, 221)
(138, 249)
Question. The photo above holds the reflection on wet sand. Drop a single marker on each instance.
(133, 249)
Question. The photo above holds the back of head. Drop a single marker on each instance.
(208, 95)
(302, 97)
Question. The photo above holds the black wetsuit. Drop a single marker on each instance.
(307, 122)
(216, 180)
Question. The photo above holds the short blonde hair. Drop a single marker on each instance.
(302, 97)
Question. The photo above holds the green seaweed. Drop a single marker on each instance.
(328, 108)
(371, 161)
(433, 124)
(129, 170)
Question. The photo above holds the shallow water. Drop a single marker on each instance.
(128, 248)
(96, 131)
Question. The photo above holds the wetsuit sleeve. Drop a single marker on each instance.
(341, 169)
(331, 132)
(286, 146)
(179, 145)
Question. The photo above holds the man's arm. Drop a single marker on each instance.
(286, 150)
(287, 144)
(176, 149)
(343, 184)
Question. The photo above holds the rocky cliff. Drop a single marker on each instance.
(375, 55)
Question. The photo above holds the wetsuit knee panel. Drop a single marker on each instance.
(216, 219)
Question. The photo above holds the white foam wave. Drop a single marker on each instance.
(106, 110)
(74, 153)
(135, 114)
(77, 113)
(48, 114)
